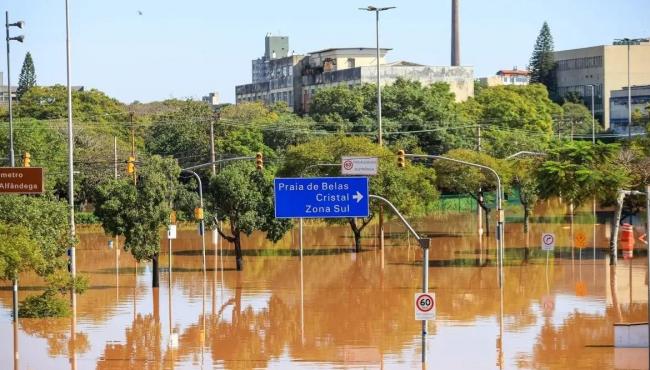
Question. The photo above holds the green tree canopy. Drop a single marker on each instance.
(139, 212)
(518, 107)
(579, 170)
(47, 222)
(18, 252)
(27, 78)
(576, 119)
(243, 196)
(48, 103)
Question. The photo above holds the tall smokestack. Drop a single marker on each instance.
(455, 33)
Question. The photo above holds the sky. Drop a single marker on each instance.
(186, 49)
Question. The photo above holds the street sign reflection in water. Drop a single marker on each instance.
(321, 197)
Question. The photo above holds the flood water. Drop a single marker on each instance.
(338, 309)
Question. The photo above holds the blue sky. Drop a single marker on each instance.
(184, 49)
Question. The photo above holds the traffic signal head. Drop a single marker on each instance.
(130, 165)
(401, 162)
(198, 213)
(27, 158)
(172, 217)
(259, 161)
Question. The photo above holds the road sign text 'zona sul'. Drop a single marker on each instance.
(321, 197)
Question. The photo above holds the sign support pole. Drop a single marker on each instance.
(301, 237)
(424, 243)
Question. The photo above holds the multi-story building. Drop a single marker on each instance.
(296, 78)
(605, 67)
(512, 76)
(640, 97)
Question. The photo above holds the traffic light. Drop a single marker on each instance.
(130, 165)
(172, 217)
(27, 159)
(259, 161)
(198, 213)
(401, 162)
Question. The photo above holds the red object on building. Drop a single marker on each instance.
(627, 240)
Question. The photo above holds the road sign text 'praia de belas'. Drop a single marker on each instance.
(324, 197)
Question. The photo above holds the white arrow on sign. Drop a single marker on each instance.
(358, 196)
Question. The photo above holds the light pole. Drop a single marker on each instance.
(20, 38)
(500, 234)
(12, 159)
(628, 42)
(371, 8)
(593, 115)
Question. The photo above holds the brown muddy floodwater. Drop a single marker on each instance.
(338, 309)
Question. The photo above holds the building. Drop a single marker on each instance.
(618, 103)
(212, 99)
(605, 67)
(294, 79)
(512, 76)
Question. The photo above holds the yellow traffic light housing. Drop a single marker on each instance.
(259, 161)
(172, 217)
(401, 161)
(27, 158)
(198, 213)
(130, 165)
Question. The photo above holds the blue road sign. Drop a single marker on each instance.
(321, 197)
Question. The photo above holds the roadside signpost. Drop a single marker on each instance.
(425, 306)
(580, 239)
(321, 197)
(21, 180)
(548, 241)
(359, 166)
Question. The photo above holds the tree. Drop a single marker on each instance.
(139, 212)
(464, 179)
(243, 196)
(27, 78)
(576, 171)
(18, 252)
(576, 119)
(47, 222)
(47, 103)
(183, 133)
(410, 188)
(524, 179)
(518, 107)
(542, 63)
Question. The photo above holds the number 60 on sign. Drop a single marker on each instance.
(425, 306)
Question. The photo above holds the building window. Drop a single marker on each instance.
(350, 63)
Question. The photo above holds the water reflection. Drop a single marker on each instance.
(334, 308)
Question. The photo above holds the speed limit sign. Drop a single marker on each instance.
(425, 306)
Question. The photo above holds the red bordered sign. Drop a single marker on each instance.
(425, 306)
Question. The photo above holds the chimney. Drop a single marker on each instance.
(455, 33)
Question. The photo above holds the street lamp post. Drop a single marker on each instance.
(12, 159)
(371, 8)
(628, 42)
(20, 38)
(500, 232)
(593, 115)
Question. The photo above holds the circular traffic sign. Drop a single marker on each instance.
(425, 302)
(348, 164)
(548, 239)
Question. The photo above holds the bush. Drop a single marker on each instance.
(86, 218)
(48, 304)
